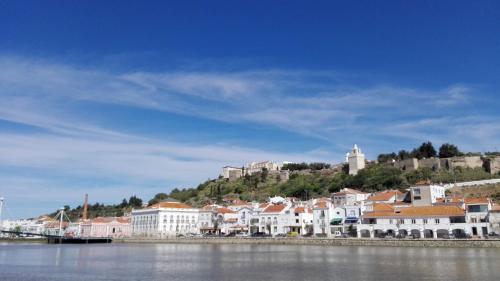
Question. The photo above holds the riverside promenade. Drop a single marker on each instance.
(445, 243)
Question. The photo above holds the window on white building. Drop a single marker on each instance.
(436, 220)
(416, 194)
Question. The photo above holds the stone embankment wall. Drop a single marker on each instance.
(452, 243)
(471, 183)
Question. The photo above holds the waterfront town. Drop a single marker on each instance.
(423, 211)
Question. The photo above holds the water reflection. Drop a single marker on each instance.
(123, 262)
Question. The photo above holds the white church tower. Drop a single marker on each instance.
(356, 160)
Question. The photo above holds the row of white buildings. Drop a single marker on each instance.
(423, 211)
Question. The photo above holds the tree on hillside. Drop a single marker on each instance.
(448, 150)
(219, 194)
(421, 174)
(295, 166)
(304, 166)
(384, 158)
(376, 178)
(252, 181)
(264, 174)
(319, 166)
(426, 150)
(158, 198)
(403, 154)
(135, 202)
(123, 204)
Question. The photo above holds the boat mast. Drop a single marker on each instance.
(1, 208)
(61, 221)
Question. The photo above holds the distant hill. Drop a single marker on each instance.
(305, 184)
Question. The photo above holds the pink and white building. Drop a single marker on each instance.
(114, 227)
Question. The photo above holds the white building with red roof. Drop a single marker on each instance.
(386, 196)
(323, 213)
(165, 219)
(300, 220)
(273, 219)
(477, 214)
(449, 219)
(349, 196)
(207, 217)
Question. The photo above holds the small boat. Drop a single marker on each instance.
(78, 240)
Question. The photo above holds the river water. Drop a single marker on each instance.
(39, 262)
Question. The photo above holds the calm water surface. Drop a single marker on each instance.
(123, 262)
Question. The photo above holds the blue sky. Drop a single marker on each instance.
(115, 98)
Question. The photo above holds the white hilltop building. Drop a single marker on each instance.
(356, 160)
(255, 167)
(231, 173)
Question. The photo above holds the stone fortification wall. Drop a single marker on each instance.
(431, 163)
(407, 164)
(493, 165)
(412, 164)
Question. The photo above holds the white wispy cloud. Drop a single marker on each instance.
(315, 104)
(294, 101)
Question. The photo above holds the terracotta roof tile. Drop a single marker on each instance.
(170, 205)
(349, 191)
(208, 208)
(384, 195)
(274, 208)
(320, 205)
(110, 219)
(382, 207)
(240, 203)
(263, 205)
(224, 210)
(423, 211)
(481, 200)
(302, 210)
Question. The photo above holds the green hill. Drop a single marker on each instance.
(305, 184)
